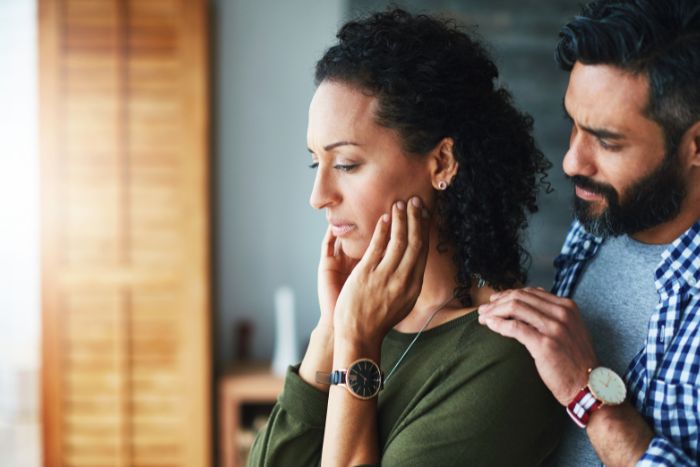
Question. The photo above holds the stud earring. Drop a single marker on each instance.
(442, 185)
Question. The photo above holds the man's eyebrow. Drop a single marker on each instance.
(335, 145)
(600, 133)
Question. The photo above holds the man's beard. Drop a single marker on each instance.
(650, 201)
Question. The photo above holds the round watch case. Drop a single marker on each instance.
(364, 378)
(607, 386)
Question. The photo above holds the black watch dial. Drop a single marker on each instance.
(364, 379)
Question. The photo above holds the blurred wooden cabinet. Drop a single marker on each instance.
(125, 233)
(244, 386)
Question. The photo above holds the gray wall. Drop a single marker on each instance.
(266, 234)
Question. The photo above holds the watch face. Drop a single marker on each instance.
(364, 379)
(607, 386)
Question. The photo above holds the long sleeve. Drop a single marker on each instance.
(662, 452)
(463, 396)
(293, 435)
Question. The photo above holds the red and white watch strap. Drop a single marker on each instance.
(582, 406)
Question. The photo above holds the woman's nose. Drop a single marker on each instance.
(324, 192)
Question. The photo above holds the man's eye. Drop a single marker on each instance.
(313, 165)
(345, 167)
(607, 146)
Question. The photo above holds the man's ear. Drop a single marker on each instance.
(690, 145)
(443, 164)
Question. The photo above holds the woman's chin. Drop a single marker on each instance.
(353, 249)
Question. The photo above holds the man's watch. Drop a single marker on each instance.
(363, 378)
(604, 387)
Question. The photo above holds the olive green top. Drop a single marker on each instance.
(462, 396)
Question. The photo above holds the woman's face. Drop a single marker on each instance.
(361, 168)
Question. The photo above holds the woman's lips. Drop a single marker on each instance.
(587, 195)
(340, 230)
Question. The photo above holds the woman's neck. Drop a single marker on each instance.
(439, 284)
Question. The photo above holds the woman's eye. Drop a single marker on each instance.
(345, 167)
(342, 167)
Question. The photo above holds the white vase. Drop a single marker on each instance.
(286, 348)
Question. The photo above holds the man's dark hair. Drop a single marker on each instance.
(433, 81)
(659, 39)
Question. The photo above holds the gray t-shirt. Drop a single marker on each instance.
(616, 296)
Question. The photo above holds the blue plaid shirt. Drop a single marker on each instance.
(663, 379)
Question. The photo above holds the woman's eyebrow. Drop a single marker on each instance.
(335, 145)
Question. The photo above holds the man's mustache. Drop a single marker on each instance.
(594, 187)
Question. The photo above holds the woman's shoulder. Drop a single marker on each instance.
(480, 351)
(479, 339)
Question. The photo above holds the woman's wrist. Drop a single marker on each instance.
(318, 357)
(347, 349)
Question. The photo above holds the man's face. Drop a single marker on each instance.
(624, 181)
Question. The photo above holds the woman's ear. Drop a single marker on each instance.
(443, 164)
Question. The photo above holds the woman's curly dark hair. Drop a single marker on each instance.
(433, 81)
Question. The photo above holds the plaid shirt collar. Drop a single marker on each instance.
(664, 377)
(681, 261)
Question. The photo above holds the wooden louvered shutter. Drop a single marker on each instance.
(125, 228)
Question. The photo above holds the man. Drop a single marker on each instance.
(629, 270)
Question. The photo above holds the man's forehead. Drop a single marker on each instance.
(604, 93)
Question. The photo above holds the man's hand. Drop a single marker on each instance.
(551, 329)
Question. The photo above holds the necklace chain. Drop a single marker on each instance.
(425, 325)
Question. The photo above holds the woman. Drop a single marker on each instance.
(426, 173)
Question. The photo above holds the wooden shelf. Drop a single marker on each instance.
(249, 383)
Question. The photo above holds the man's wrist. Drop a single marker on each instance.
(575, 388)
(606, 425)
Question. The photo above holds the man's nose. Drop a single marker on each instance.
(579, 159)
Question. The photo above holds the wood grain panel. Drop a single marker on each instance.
(124, 127)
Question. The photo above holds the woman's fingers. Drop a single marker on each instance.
(377, 244)
(398, 240)
(328, 243)
(412, 263)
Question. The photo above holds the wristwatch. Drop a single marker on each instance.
(604, 387)
(363, 378)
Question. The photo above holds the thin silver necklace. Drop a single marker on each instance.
(427, 322)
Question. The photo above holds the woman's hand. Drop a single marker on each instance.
(384, 286)
(334, 268)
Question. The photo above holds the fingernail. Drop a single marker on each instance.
(336, 247)
(415, 201)
(401, 205)
(385, 218)
(493, 297)
(425, 213)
